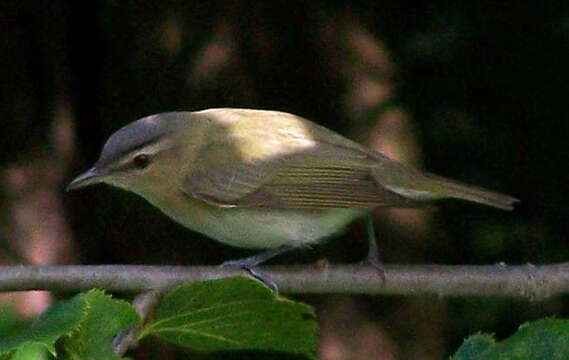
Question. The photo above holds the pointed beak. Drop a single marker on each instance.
(89, 177)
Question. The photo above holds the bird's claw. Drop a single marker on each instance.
(253, 269)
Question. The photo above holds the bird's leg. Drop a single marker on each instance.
(373, 251)
(250, 264)
(257, 258)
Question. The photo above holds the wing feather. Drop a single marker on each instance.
(305, 180)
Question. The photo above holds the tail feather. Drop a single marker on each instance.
(454, 189)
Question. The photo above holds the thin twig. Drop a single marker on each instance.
(144, 305)
(525, 281)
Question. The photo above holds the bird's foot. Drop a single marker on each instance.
(251, 265)
(252, 268)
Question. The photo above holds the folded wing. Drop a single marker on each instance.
(325, 176)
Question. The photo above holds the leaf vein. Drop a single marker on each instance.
(213, 307)
(200, 333)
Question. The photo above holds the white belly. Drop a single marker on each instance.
(264, 229)
(255, 228)
(258, 228)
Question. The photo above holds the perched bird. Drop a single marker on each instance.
(263, 179)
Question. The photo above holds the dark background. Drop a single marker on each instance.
(473, 90)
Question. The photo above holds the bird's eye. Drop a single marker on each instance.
(141, 161)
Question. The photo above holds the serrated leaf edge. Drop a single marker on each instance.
(50, 347)
(88, 306)
(84, 312)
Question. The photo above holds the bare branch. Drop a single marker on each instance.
(527, 281)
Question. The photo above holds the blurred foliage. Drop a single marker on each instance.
(10, 323)
(544, 339)
(485, 83)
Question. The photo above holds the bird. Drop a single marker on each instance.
(264, 180)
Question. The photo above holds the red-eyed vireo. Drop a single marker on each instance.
(263, 179)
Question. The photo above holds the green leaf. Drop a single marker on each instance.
(87, 323)
(234, 314)
(542, 339)
(105, 318)
(10, 324)
(474, 347)
(31, 351)
(60, 320)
